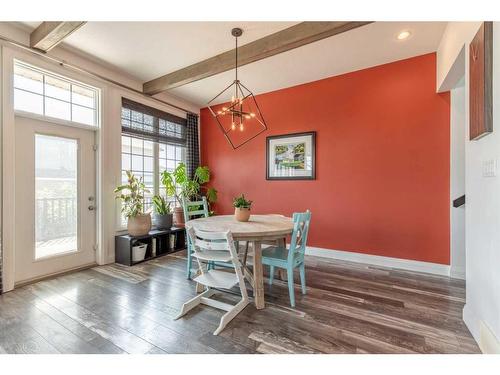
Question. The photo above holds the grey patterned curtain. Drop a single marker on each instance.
(192, 146)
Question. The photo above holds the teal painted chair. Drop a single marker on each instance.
(192, 211)
(293, 257)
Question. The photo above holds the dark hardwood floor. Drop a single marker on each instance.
(349, 308)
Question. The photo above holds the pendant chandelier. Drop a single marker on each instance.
(240, 120)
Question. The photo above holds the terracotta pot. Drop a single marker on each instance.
(139, 225)
(179, 216)
(242, 214)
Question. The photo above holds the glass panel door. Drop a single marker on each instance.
(55, 177)
(56, 195)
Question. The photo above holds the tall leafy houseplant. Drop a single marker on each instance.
(179, 185)
(131, 195)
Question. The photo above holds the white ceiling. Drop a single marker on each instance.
(146, 50)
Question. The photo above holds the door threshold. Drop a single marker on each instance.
(52, 275)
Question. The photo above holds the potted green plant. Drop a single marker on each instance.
(179, 185)
(163, 213)
(132, 196)
(242, 208)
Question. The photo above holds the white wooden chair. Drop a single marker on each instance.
(216, 247)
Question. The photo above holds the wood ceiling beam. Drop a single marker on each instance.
(281, 41)
(50, 34)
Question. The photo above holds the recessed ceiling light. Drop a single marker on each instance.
(404, 35)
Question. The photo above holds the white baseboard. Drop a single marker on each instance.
(457, 272)
(404, 264)
(482, 333)
(488, 342)
(470, 321)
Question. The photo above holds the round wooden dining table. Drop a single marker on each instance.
(259, 229)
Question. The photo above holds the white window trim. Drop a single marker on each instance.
(45, 72)
(54, 120)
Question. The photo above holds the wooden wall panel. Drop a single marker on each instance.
(481, 82)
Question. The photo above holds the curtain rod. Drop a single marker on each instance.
(88, 72)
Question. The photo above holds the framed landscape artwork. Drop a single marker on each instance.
(291, 156)
(481, 82)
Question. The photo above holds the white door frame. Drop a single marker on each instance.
(8, 157)
(457, 237)
(28, 266)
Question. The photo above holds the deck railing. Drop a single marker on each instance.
(58, 217)
(55, 218)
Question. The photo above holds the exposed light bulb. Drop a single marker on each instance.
(219, 112)
(233, 126)
(241, 127)
(247, 116)
(252, 114)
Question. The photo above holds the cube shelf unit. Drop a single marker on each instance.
(160, 239)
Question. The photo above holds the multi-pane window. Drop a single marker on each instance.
(47, 94)
(138, 157)
(169, 157)
(148, 160)
(147, 154)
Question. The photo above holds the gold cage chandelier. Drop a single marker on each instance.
(241, 119)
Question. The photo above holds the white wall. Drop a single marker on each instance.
(450, 68)
(482, 309)
(483, 221)
(457, 180)
(109, 137)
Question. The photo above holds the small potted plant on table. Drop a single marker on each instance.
(132, 196)
(163, 214)
(242, 208)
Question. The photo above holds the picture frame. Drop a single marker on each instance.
(291, 156)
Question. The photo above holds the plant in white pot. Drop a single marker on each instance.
(242, 208)
(132, 196)
(163, 213)
(179, 185)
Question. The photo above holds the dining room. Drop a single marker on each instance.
(248, 187)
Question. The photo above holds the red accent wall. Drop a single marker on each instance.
(382, 159)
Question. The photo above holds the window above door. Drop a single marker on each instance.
(50, 95)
